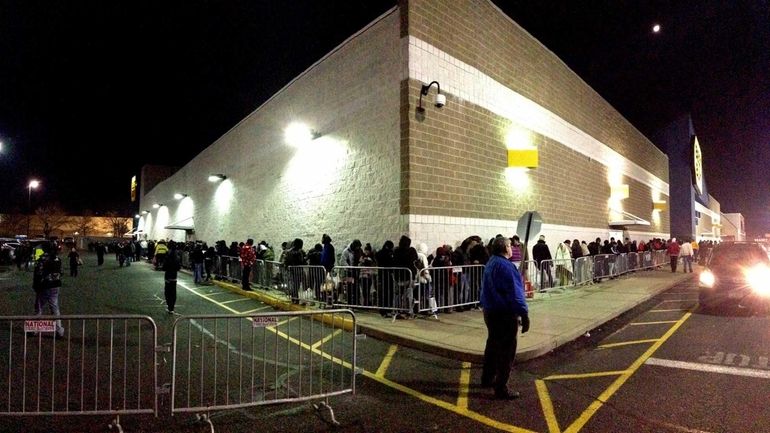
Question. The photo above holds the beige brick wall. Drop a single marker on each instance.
(476, 32)
(455, 162)
(454, 159)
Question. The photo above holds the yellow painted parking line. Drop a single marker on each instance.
(666, 311)
(386, 361)
(236, 300)
(266, 307)
(483, 419)
(627, 343)
(615, 386)
(677, 300)
(584, 375)
(547, 405)
(283, 322)
(465, 380)
(325, 339)
(652, 323)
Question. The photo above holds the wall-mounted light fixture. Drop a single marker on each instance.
(157, 205)
(298, 134)
(619, 192)
(137, 216)
(440, 99)
(216, 177)
(179, 196)
(522, 153)
(145, 212)
(659, 205)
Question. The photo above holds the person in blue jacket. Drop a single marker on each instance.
(504, 304)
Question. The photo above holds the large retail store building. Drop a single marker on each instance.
(344, 148)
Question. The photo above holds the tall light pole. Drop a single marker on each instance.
(32, 185)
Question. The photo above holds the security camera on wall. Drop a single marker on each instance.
(440, 100)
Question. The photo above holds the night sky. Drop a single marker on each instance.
(134, 83)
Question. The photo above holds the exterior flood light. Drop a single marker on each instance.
(440, 99)
(145, 212)
(298, 134)
(216, 177)
(619, 192)
(156, 205)
(179, 196)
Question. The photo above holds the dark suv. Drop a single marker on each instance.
(736, 273)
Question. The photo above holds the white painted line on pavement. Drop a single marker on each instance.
(266, 307)
(709, 368)
(236, 300)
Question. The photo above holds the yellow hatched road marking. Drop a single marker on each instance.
(547, 405)
(325, 339)
(585, 375)
(448, 406)
(386, 361)
(613, 388)
(652, 323)
(416, 394)
(283, 322)
(465, 380)
(627, 343)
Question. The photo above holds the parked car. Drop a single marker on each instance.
(736, 273)
(7, 254)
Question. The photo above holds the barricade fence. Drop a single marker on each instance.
(227, 362)
(108, 365)
(450, 287)
(99, 365)
(387, 289)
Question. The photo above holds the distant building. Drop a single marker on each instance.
(733, 227)
(694, 213)
(63, 226)
(361, 145)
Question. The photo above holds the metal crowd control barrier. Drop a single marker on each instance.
(555, 275)
(306, 284)
(271, 275)
(450, 287)
(385, 289)
(583, 268)
(228, 362)
(102, 365)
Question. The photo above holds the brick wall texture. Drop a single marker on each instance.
(453, 159)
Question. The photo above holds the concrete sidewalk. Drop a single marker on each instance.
(556, 319)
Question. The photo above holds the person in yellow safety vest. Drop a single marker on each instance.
(160, 254)
(695, 247)
(38, 252)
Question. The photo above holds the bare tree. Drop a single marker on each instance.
(119, 224)
(85, 223)
(52, 218)
(12, 224)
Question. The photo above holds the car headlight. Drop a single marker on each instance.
(758, 278)
(707, 279)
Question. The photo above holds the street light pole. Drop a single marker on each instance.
(32, 185)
